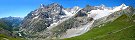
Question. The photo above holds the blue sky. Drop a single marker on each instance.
(22, 7)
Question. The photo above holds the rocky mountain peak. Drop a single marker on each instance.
(54, 4)
(102, 6)
(123, 5)
(42, 18)
(42, 5)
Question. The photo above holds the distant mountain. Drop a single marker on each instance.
(12, 21)
(53, 21)
(9, 23)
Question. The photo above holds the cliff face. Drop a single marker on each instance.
(42, 18)
(41, 21)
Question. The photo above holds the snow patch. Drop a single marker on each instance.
(96, 14)
(35, 17)
(67, 13)
(75, 9)
(121, 7)
(19, 34)
(41, 6)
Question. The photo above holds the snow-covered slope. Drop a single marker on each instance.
(96, 14)
(121, 7)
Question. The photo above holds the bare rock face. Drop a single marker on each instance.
(41, 18)
(40, 22)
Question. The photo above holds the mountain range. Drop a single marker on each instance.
(54, 22)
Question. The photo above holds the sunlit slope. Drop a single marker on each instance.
(4, 37)
(120, 29)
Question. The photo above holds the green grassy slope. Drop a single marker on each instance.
(121, 29)
(4, 37)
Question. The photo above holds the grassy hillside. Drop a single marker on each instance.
(4, 37)
(120, 29)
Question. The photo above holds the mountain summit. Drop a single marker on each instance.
(41, 5)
